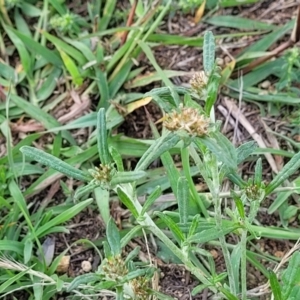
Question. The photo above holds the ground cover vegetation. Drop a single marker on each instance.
(104, 130)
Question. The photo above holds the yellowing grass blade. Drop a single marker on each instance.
(137, 104)
(200, 12)
(227, 71)
(71, 67)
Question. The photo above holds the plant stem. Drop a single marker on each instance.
(119, 294)
(150, 225)
(215, 189)
(225, 250)
(243, 264)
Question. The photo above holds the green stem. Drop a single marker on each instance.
(148, 223)
(225, 250)
(215, 189)
(244, 264)
(119, 294)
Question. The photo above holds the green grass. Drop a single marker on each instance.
(50, 53)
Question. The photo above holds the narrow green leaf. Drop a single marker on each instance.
(194, 225)
(71, 67)
(235, 260)
(30, 10)
(290, 168)
(127, 202)
(117, 81)
(229, 3)
(163, 76)
(275, 286)
(133, 254)
(37, 48)
(198, 289)
(127, 177)
(291, 276)
(66, 48)
(102, 138)
(102, 199)
(107, 14)
(161, 145)
(26, 59)
(63, 217)
(281, 198)
(113, 237)
(221, 147)
(245, 150)
(28, 245)
(183, 200)
(21, 24)
(54, 162)
(211, 234)
(228, 295)
(134, 232)
(4, 286)
(12, 246)
(239, 204)
(84, 190)
(172, 226)
(150, 199)
(84, 279)
(101, 76)
(269, 39)
(239, 23)
(258, 173)
(236, 179)
(212, 91)
(56, 4)
(117, 158)
(208, 52)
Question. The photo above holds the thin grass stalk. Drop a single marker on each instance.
(244, 264)
(226, 254)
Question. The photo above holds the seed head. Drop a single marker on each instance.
(187, 119)
(115, 268)
(139, 287)
(103, 174)
(199, 82)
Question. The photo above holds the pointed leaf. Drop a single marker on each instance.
(113, 237)
(54, 162)
(290, 168)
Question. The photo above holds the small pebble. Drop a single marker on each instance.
(265, 84)
(63, 265)
(279, 254)
(86, 266)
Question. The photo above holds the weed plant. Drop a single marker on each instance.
(197, 133)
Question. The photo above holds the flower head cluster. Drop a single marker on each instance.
(64, 23)
(187, 119)
(114, 267)
(199, 83)
(139, 286)
(103, 174)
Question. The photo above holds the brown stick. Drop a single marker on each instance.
(294, 38)
(129, 21)
(263, 59)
